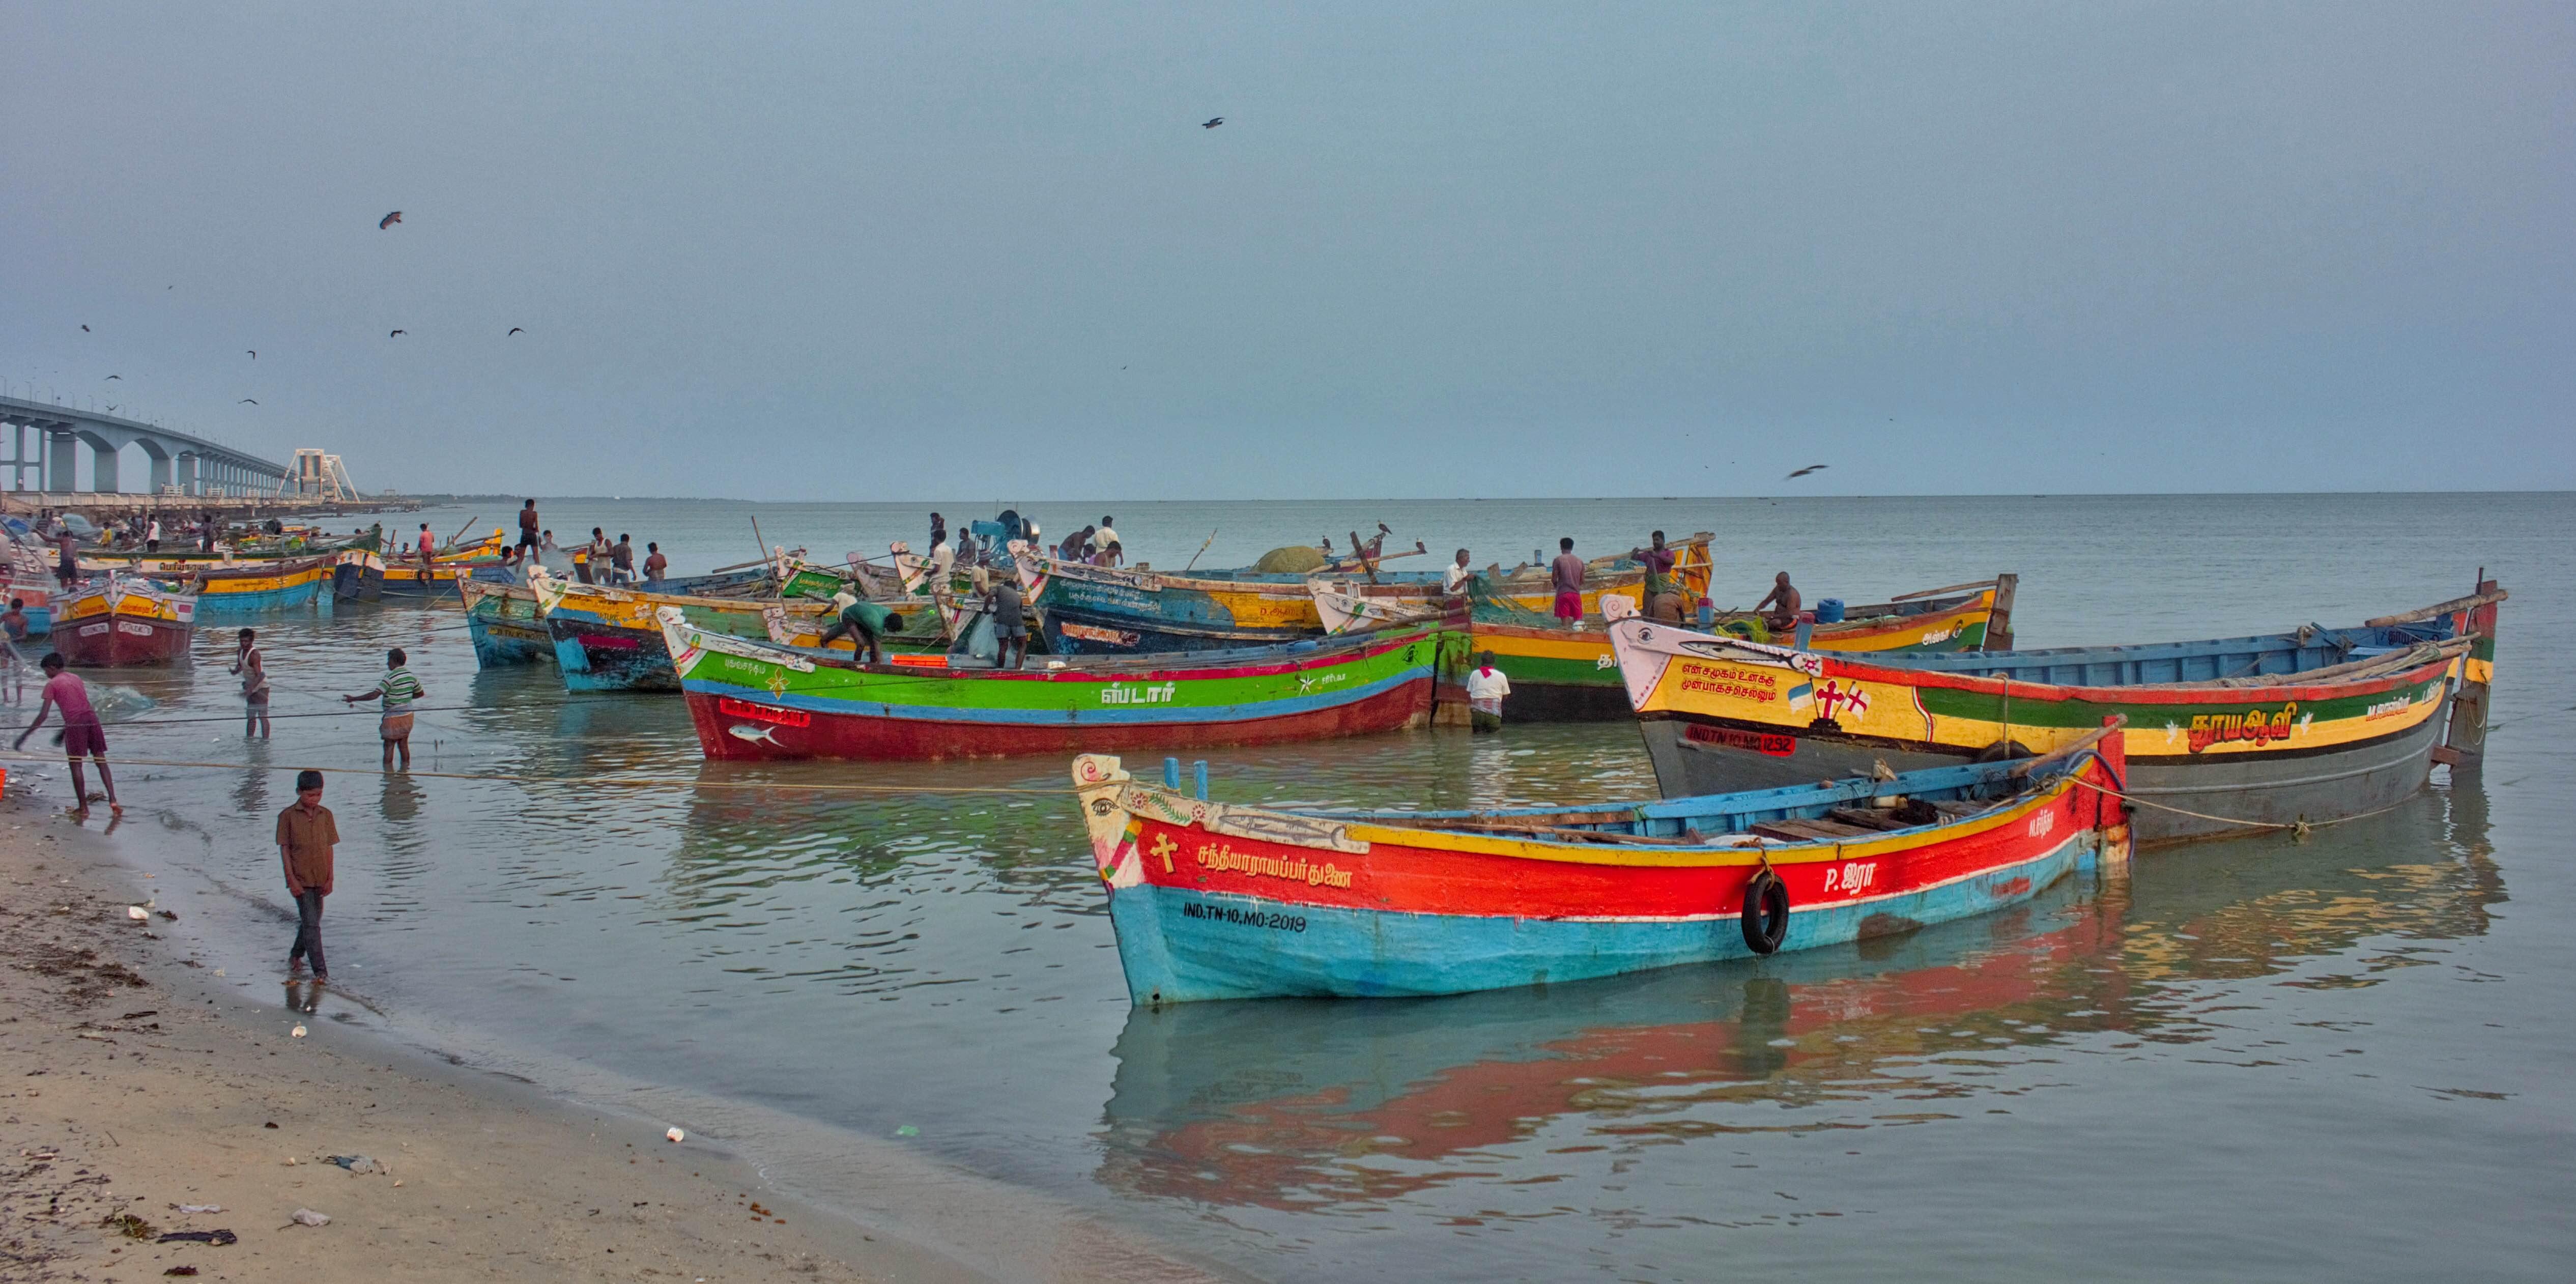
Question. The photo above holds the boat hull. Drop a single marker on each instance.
(1212, 901)
(358, 577)
(594, 655)
(503, 623)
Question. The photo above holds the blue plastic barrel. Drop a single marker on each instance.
(1829, 610)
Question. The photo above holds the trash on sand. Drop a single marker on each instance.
(218, 1238)
(172, 915)
(128, 1225)
(357, 1163)
(676, 1135)
(290, 1161)
(180, 1270)
(298, 1031)
(907, 1131)
(270, 1124)
(138, 913)
(198, 1208)
(307, 1217)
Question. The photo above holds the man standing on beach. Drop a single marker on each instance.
(1107, 534)
(398, 688)
(253, 669)
(68, 545)
(528, 525)
(306, 833)
(81, 731)
(1010, 630)
(1565, 574)
(655, 567)
(621, 560)
(152, 535)
(594, 566)
(13, 634)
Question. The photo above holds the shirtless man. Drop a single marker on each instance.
(1784, 600)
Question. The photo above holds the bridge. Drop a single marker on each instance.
(190, 463)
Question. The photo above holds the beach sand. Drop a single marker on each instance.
(133, 1081)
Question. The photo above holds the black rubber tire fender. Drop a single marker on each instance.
(1766, 912)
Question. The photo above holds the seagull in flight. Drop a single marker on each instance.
(112, 377)
(1213, 122)
(515, 330)
(111, 410)
(84, 329)
(245, 402)
(389, 220)
(391, 333)
(254, 353)
(1811, 468)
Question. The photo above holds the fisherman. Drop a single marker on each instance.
(1486, 687)
(306, 833)
(938, 529)
(428, 552)
(1565, 574)
(864, 623)
(943, 561)
(1077, 546)
(1663, 595)
(594, 566)
(13, 634)
(655, 567)
(1784, 598)
(1110, 554)
(1454, 577)
(528, 525)
(398, 688)
(152, 535)
(253, 670)
(621, 559)
(546, 546)
(81, 733)
(1010, 630)
(68, 544)
(1107, 534)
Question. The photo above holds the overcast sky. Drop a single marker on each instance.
(881, 252)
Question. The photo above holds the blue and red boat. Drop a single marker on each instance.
(1214, 900)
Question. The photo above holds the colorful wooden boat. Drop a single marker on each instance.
(225, 589)
(1564, 675)
(610, 639)
(358, 575)
(2223, 735)
(1091, 610)
(1216, 900)
(760, 700)
(112, 622)
(503, 622)
(35, 598)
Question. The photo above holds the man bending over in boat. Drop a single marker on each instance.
(1784, 598)
(864, 623)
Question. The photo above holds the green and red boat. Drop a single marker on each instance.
(762, 700)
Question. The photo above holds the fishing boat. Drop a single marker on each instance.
(358, 575)
(503, 622)
(113, 621)
(407, 579)
(225, 589)
(610, 639)
(35, 599)
(1567, 675)
(1094, 610)
(1216, 900)
(762, 700)
(2225, 735)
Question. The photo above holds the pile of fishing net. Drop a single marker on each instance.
(1295, 559)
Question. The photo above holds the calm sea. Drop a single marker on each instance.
(2343, 1058)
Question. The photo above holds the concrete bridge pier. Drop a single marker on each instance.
(60, 463)
(186, 481)
(102, 464)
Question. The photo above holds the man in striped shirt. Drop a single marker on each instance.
(397, 689)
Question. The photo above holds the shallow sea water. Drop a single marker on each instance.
(2265, 1058)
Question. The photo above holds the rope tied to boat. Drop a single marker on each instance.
(20, 755)
(2301, 827)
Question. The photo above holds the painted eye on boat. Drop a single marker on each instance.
(1101, 806)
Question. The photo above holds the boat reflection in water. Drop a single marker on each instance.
(1305, 1106)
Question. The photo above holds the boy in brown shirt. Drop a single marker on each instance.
(306, 834)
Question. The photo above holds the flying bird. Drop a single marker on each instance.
(245, 402)
(1213, 122)
(391, 333)
(389, 220)
(112, 377)
(514, 330)
(254, 353)
(1811, 468)
(111, 410)
(84, 329)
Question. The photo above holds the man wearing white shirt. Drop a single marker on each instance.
(1486, 687)
(943, 559)
(1107, 534)
(1454, 577)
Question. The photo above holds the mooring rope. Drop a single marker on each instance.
(20, 755)
(2300, 826)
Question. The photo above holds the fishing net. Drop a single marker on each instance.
(1295, 559)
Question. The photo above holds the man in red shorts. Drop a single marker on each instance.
(82, 733)
(1565, 574)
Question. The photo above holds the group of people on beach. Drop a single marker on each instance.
(600, 562)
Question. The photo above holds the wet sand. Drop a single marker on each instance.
(133, 1080)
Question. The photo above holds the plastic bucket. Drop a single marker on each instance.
(1829, 610)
